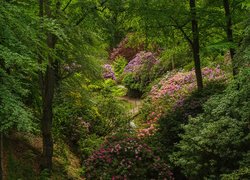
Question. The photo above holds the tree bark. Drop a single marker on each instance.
(229, 32)
(47, 90)
(1, 156)
(196, 44)
(47, 117)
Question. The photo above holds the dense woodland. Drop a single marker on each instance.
(124, 89)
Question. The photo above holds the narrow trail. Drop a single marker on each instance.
(136, 104)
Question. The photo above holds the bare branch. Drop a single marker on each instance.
(67, 5)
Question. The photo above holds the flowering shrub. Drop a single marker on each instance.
(150, 126)
(138, 72)
(108, 72)
(183, 83)
(126, 158)
(123, 50)
(140, 59)
(172, 93)
(216, 142)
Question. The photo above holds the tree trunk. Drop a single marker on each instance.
(1, 156)
(47, 116)
(47, 89)
(196, 45)
(229, 32)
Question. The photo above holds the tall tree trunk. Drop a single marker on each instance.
(196, 44)
(229, 32)
(48, 88)
(47, 116)
(1, 156)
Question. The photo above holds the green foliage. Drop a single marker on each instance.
(139, 73)
(172, 119)
(87, 109)
(44, 175)
(216, 142)
(17, 64)
(85, 114)
(243, 53)
(119, 65)
(89, 144)
(15, 172)
(174, 57)
(111, 88)
(134, 89)
(13, 112)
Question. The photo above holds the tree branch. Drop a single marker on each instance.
(67, 5)
(91, 9)
(182, 30)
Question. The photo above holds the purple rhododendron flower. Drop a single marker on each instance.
(108, 72)
(139, 60)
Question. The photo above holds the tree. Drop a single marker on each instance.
(48, 89)
(196, 44)
(229, 16)
(67, 51)
(16, 66)
(229, 32)
(170, 16)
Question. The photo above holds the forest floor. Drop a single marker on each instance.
(22, 155)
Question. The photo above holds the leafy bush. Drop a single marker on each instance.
(126, 158)
(119, 65)
(182, 83)
(110, 87)
(108, 72)
(137, 72)
(84, 114)
(172, 119)
(171, 100)
(124, 49)
(217, 141)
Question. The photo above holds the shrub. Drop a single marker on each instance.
(125, 50)
(86, 113)
(138, 70)
(172, 119)
(126, 158)
(108, 72)
(182, 83)
(174, 98)
(119, 65)
(217, 142)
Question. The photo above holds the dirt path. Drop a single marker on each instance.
(136, 104)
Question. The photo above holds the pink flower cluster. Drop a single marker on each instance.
(176, 88)
(182, 83)
(123, 159)
(139, 60)
(150, 127)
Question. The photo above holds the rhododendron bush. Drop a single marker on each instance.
(171, 92)
(124, 50)
(138, 71)
(181, 84)
(140, 60)
(216, 142)
(108, 72)
(126, 158)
